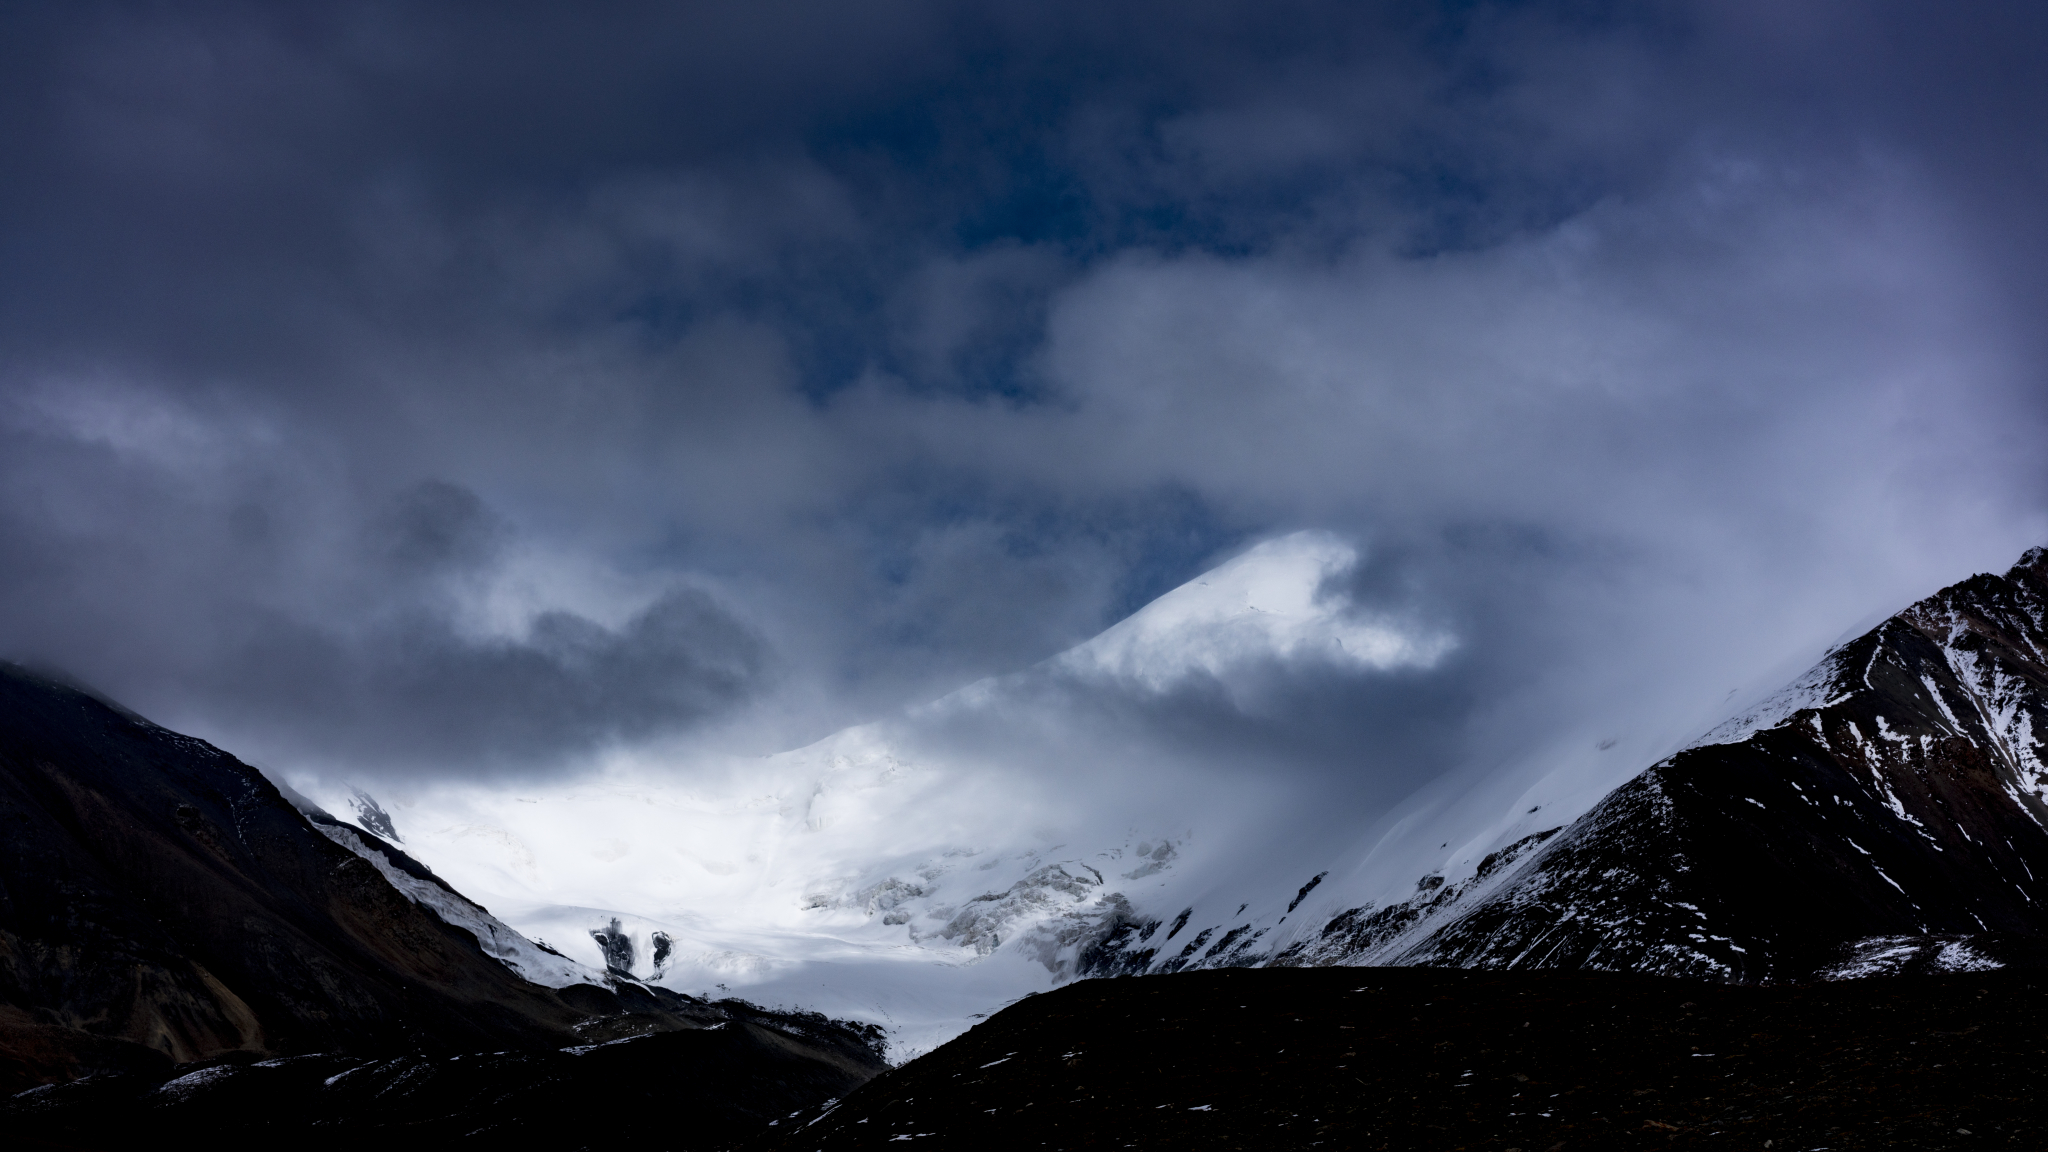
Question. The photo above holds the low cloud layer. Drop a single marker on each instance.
(393, 390)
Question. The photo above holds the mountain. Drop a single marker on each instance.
(1883, 813)
(187, 943)
(1880, 814)
(162, 903)
(932, 865)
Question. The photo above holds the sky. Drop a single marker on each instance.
(472, 392)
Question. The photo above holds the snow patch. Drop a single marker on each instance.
(1893, 955)
(1819, 687)
(497, 939)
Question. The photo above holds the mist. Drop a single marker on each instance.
(408, 394)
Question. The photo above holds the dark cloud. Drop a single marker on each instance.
(471, 387)
(411, 693)
(433, 528)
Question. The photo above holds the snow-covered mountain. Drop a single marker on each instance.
(1872, 815)
(1883, 811)
(906, 872)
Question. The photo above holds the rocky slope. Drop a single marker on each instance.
(1885, 811)
(161, 902)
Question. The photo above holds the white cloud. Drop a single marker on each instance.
(1269, 604)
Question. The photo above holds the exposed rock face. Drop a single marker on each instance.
(1368, 934)
(1885, 810)
(161, 901)
(617, 948)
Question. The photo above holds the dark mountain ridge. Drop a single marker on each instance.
(156, 891)
(162, 903)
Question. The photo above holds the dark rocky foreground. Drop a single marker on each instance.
(703, 1088)
(1410, 1058)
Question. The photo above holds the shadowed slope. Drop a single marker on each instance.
(160, 901)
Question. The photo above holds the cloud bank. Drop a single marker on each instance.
(402, 392)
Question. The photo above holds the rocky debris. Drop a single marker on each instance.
(1305, 890)
(617, 948)
(372, 816)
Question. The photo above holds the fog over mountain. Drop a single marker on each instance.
(470, 402)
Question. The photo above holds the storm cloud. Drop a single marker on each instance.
(396, 388)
